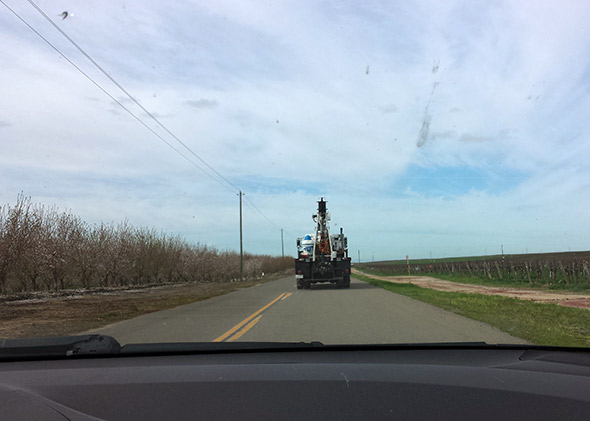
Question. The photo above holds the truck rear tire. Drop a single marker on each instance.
(347, 281)
(344, 282)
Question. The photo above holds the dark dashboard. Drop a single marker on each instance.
(445, 381)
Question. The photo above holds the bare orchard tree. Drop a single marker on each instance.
(83, 253)
(104, 239)
(275, 264)
(109, 256)
(61, 240)
(143, 243)
(154, 254)
(47, 248)
(194, 258)
(117, 255)
(7, 254)
(15, 237)
(172, 264)
(30, 269)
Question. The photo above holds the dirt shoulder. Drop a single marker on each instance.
(562, 298)
(71, 312)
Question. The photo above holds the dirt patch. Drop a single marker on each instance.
(577, 303)
(68, 313)
(562, 298)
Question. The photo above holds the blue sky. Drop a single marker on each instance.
(431, 129)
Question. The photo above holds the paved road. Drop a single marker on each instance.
(276, 311)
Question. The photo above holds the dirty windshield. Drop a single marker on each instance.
(277, 171)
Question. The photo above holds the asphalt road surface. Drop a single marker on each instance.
(277, 311)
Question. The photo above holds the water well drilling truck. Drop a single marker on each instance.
(322, 257)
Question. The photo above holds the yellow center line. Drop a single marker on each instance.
(246, 320)
(244, 330)
(287, 295)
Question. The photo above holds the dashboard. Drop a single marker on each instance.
(332, 382)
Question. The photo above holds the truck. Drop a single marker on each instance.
(322, 257)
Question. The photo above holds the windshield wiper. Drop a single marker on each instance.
(85, 346)
(59, 346)
(103, 345)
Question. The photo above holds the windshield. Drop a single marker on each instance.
(342, 172)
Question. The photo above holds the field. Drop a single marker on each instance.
(566, 270)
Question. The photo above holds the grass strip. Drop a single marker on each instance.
(539, 323)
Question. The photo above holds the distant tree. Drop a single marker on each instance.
(30, 270)
(61, 240)
(84, 250)
(15, 237)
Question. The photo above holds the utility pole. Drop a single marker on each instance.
(282, 244)
(241, 242)
(359, 256)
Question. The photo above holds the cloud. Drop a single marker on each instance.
(389, 108)
(465, 137)
(202, 103)
(472, 153)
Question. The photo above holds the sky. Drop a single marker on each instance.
(433, 129)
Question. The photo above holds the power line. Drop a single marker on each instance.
(110, 96)
(153, 117)
(267, 220)
(136, 102)
(260, 212)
